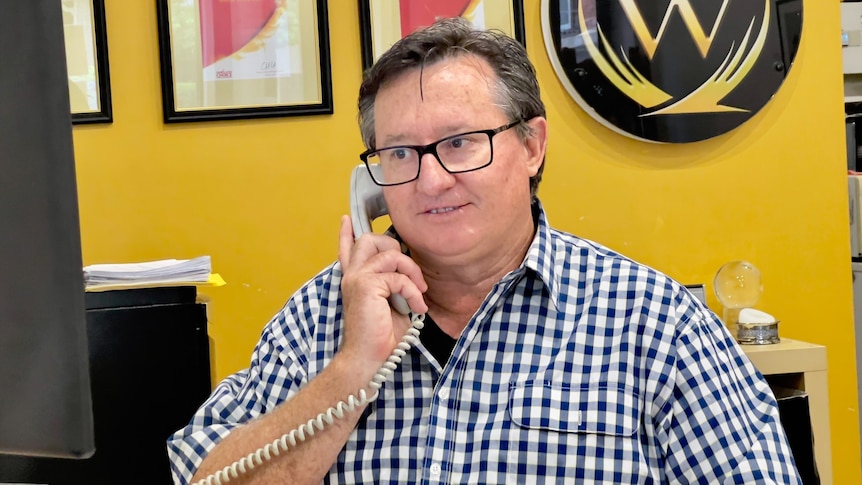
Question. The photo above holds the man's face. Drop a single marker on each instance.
(457, 218)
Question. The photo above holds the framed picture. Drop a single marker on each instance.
(239, 59)
(87, 60)
(383, 22)
(699, 291)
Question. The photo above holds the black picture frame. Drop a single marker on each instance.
(176, 106)
(103, 113)
(366, 23)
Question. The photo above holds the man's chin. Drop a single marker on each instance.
(439, 246)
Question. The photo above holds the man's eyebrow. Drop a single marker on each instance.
(392, 140)
(404, 139)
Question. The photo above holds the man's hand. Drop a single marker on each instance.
(374, 268)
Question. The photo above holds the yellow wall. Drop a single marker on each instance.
(264, 197)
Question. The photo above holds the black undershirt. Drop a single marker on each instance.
(436, 341)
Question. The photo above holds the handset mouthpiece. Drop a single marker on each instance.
(399, 304)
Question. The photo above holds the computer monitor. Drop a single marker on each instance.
(45, 405)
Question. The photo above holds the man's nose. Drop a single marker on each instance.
(433, 177)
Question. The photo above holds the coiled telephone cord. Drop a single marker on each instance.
(300, 434)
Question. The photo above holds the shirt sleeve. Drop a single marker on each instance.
(280, 366)
(273, 375)
(723, 424)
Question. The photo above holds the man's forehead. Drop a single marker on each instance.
(465, 69)
(438, 100)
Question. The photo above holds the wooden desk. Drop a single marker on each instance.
(800, 365)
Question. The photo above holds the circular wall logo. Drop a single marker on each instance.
(672, 71)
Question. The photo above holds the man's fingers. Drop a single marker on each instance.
(370, 245)
(402, 285)
(345, 241)
(381, 255)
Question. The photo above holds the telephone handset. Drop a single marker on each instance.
(366, 200)
(366, 204)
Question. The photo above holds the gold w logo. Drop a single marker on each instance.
(731, 72)
(694, 26)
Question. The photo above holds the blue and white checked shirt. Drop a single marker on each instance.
(581, 366)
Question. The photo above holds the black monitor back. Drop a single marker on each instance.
(45, 403)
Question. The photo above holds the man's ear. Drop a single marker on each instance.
(536, 143)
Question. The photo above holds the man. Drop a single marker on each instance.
(544, 357)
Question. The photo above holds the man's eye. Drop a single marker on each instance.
(400, 154)
(459, 142)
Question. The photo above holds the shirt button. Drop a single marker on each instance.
(435, 470)
(444, 393)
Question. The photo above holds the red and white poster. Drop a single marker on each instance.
(244, 39)
(417, 14)
(391, 20)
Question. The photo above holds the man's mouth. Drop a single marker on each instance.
(442, 210)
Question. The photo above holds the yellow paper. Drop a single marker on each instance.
(214, 280)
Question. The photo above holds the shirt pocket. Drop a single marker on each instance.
(606, 408)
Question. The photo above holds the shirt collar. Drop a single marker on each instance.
(540, 255)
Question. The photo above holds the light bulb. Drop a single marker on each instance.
(737, 284)
(738, 287)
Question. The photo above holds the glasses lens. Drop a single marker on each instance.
(397, 165)
(461, 153)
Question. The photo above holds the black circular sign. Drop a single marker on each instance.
(672, 71)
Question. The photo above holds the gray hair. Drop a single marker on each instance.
(516, 88)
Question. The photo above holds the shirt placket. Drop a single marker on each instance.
(444, 416)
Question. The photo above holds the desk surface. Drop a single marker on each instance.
(787, 356)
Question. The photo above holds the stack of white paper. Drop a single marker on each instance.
(152, 272)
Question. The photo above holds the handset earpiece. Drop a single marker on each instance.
(366, 204)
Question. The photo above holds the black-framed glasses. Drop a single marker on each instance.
(459, 153)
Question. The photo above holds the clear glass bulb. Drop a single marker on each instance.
(737, 285)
